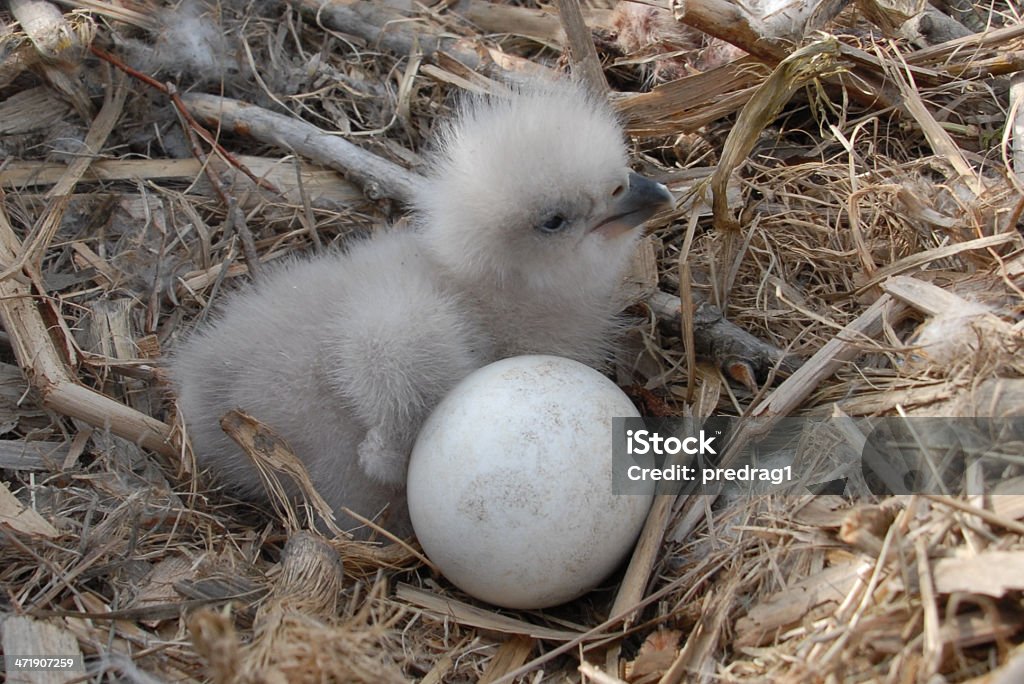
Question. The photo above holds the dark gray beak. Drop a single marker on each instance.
(640, 201)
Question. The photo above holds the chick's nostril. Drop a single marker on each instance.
(619, 189)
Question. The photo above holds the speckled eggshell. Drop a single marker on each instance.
(510, 483)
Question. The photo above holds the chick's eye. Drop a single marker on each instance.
(553, 224)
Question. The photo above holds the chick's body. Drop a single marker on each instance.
(323, 370)
(524, 229)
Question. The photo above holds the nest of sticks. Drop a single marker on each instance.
(847, 243)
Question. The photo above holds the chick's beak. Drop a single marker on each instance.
(642, 200)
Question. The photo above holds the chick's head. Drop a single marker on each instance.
(535, 189)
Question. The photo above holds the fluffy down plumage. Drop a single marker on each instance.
(523, 231)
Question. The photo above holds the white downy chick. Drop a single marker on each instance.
(524, 229)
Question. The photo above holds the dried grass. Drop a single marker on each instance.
(114, 241)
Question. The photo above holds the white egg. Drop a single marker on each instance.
(510, 483)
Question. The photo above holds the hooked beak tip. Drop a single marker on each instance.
(641, 201)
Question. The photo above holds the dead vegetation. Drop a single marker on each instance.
(850, 192)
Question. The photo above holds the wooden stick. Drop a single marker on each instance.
(968, 44)
(324, 186)
(541, 25)
(378, 177)
(917, 260)
(941, 142)
(21, 518)
(935, 301)
(585, 62)
(988, 516)
(770, 36)
(837, 351)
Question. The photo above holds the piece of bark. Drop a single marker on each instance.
(481, 618)
(990, 573)
(31, 110)
(510, 656)
(18, 454)
(941, 302)
(110, 333)
(20, 517)
(157, 587)
(690, 103)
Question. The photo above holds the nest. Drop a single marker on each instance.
(850, 196)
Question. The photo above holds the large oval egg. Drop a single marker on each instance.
(510, 483)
